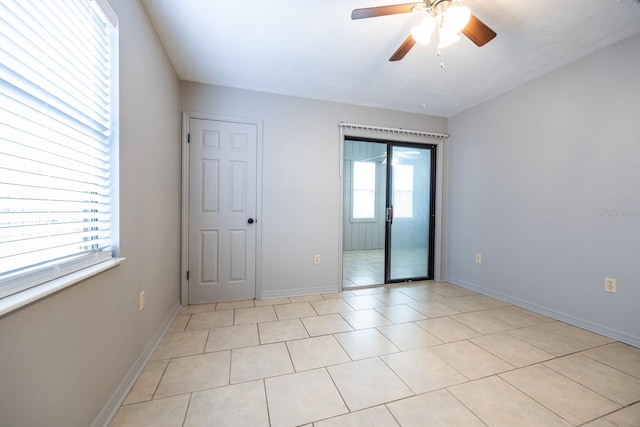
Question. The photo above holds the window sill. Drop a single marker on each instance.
(13, 302)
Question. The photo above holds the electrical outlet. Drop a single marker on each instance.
(316, 259)
(142, 300)
(479, 258)
(610, 285)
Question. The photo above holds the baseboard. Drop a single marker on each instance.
(113, 404)
(283, 293)
(549, 312)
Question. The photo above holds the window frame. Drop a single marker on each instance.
(373, 218)
(75, 271)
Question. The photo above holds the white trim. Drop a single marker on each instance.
(20, 299)
(110, 408)
(186, 116)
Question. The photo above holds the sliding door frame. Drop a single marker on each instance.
(394, 135)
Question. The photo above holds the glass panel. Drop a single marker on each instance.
(365, 183)
(411, 201)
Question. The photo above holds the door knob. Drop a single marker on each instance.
(250, 220)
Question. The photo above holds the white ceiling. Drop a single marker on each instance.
(314, 50)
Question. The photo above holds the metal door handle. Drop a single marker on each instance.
(390, 214)
(250, 221)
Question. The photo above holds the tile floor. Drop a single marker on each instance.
(365, 267)
(425, 354)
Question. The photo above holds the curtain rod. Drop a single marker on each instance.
(394, 131)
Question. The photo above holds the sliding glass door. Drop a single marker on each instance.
(389, 199)
(410, 219)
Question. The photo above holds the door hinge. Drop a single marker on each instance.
(187, 274)
(188, 138)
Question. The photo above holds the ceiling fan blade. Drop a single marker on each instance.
(478, 32)
(404, 48)
(372, 12)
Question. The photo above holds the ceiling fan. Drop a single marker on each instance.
(447, 15)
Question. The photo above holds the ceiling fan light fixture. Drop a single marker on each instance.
(422, 33)
(456, 18)
(447, 38)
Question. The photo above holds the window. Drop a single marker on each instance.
(403, 191)
(364, 190)
(58, 98)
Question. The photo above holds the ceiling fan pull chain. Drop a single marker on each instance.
(441, 59)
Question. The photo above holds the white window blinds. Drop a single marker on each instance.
(56, 138)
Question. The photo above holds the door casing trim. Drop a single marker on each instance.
(184, 239)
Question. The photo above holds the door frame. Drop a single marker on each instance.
(440, 185)
(184, 251)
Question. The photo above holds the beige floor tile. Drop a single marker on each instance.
(436, 409)
(158, 413)
(471, 360)
(580, 335)
(303, 298)
(626, 417)
(407, 336)
(230, 305)
(421, 294)
(433, 308)
(294, 310)
(329, 306)
(517, 317)
(239, 405)
(197, 308)
(179, 323)
(194, 373)
(365, 343)
(488, 301)
(618, 355)
(400, 313)
(302, 398)
(423, 371)
(547, 340)
(211, 319)
(463, 304)
(565, 397)
(274, 301)
(451, 291)
(609, 382)
(340, 294)
(601, 422)
(499, 404)
(324, 325)
(147, 382)
(368, 318)
(317, 352)
(367, 383)
(363, 302)
(254, 315)
(231, 337)
(281, 330)
(394, 298)
(482, 322)
(447, 329)
(378, 416)
(180, 344)
(511, 349)
(369, 291)
(252, 363)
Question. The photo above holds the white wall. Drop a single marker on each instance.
(62, 358)
(532, 175)
(301, 184)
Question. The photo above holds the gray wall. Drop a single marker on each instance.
(62, 358)
(301, 186)
(544, 182)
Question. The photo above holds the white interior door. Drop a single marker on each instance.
(222, 210)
